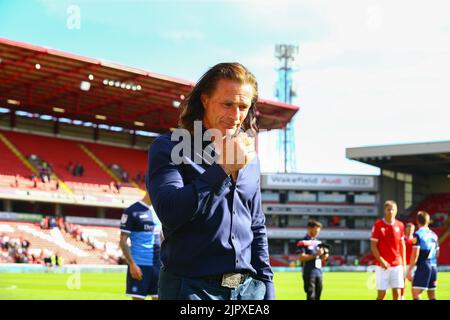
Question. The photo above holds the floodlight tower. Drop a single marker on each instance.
(286, 56)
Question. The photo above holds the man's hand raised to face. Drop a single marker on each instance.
(235, 151)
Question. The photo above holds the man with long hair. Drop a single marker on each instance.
(206, 192)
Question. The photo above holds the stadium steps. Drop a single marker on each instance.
(54, 237)
(91, 155)
(94, 255)
(55, 177)
(444, 237)
(106, 238)
(106, 234)
(22, 167)
(134, 161)
(41, 240)
(39, 243)
(18, 155)
(58, 152)
(102, 165)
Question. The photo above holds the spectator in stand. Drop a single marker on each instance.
(78, 170)
(92, 243)
(17, 256)
(122, 260)
(24, 243)
(81, 170)
(75, 232)
(409, 238)
(125, 176)
(58, 260)
(61, 223)
(2, 241)
(52, 222)
(140, 178)
(49, 168)
(44, 172)
(335, 221)
(32, 259)
(53, 260)
(44, 223)
(35, 180)
(114, 187)
(68, 228)
(70, 167)
(16, 181)
(6, 242)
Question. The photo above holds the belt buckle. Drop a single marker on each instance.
(231, 280)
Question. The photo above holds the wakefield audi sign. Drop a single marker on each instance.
(292, 181)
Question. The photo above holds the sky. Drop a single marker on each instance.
(368, 72)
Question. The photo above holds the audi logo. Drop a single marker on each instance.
(360, 181)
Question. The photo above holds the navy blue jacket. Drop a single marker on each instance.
(310, 246)
(210, 225)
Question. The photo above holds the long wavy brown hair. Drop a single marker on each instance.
(192, 107)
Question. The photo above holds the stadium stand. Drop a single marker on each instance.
(444, 244)
(133, 161)
(435, 204)
(59, 153)
(82, 245)
(15, 174)
(277, 261)
(367, 259)
(438, 206)
(10, 165)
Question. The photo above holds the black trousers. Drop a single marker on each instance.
(312, 284)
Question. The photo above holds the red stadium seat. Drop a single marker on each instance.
(59, 152)
(132, 160)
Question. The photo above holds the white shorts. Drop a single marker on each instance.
(389, 278)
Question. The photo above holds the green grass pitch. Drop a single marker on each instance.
(111, 286)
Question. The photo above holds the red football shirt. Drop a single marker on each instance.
(409, 245)
(388, 237)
